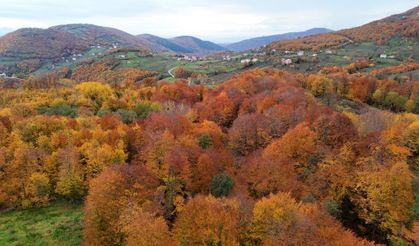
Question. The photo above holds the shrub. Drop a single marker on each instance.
(205, 141)
(220, 185)
(143, 110)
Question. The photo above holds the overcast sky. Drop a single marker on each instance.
(215, 20)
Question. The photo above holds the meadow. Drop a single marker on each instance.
(58, 224)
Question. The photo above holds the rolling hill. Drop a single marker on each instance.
(405, 25)
(98, 35)
(40, 43)
(181, 45)
(63, 41)
(258, 42)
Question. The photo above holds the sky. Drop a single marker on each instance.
(216, 20)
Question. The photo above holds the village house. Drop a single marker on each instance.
(383, 56)
(300, 53)
(190, 59)
(226, 58)
(3, 75)
(245, 61)
(286, 62)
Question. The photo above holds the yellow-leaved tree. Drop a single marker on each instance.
(94, 94)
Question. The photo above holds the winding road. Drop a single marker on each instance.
(170, 72)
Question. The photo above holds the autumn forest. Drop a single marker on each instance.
(268, 155)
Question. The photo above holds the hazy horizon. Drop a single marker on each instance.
(216, 21)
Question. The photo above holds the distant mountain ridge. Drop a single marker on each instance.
(197, 45)
(163, 45)
(258, 42)
(182, 44)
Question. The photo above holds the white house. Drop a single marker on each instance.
(245, 61)
(383, 56)
(254, 60)
(300, 53)
(3, 75)
(286, 61)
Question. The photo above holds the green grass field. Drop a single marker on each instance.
(59, 224)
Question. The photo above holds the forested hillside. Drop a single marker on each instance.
(169, 163)
(404, 25)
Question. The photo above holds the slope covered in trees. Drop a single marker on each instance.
(258, 42)
(267, 158)
(404, 25)
(62, 41)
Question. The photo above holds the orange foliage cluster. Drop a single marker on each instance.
(182, 73)
(399, 94)
(315, 42)
(256, 161)
(402, 68)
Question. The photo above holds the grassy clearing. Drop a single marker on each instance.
(58, 224)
